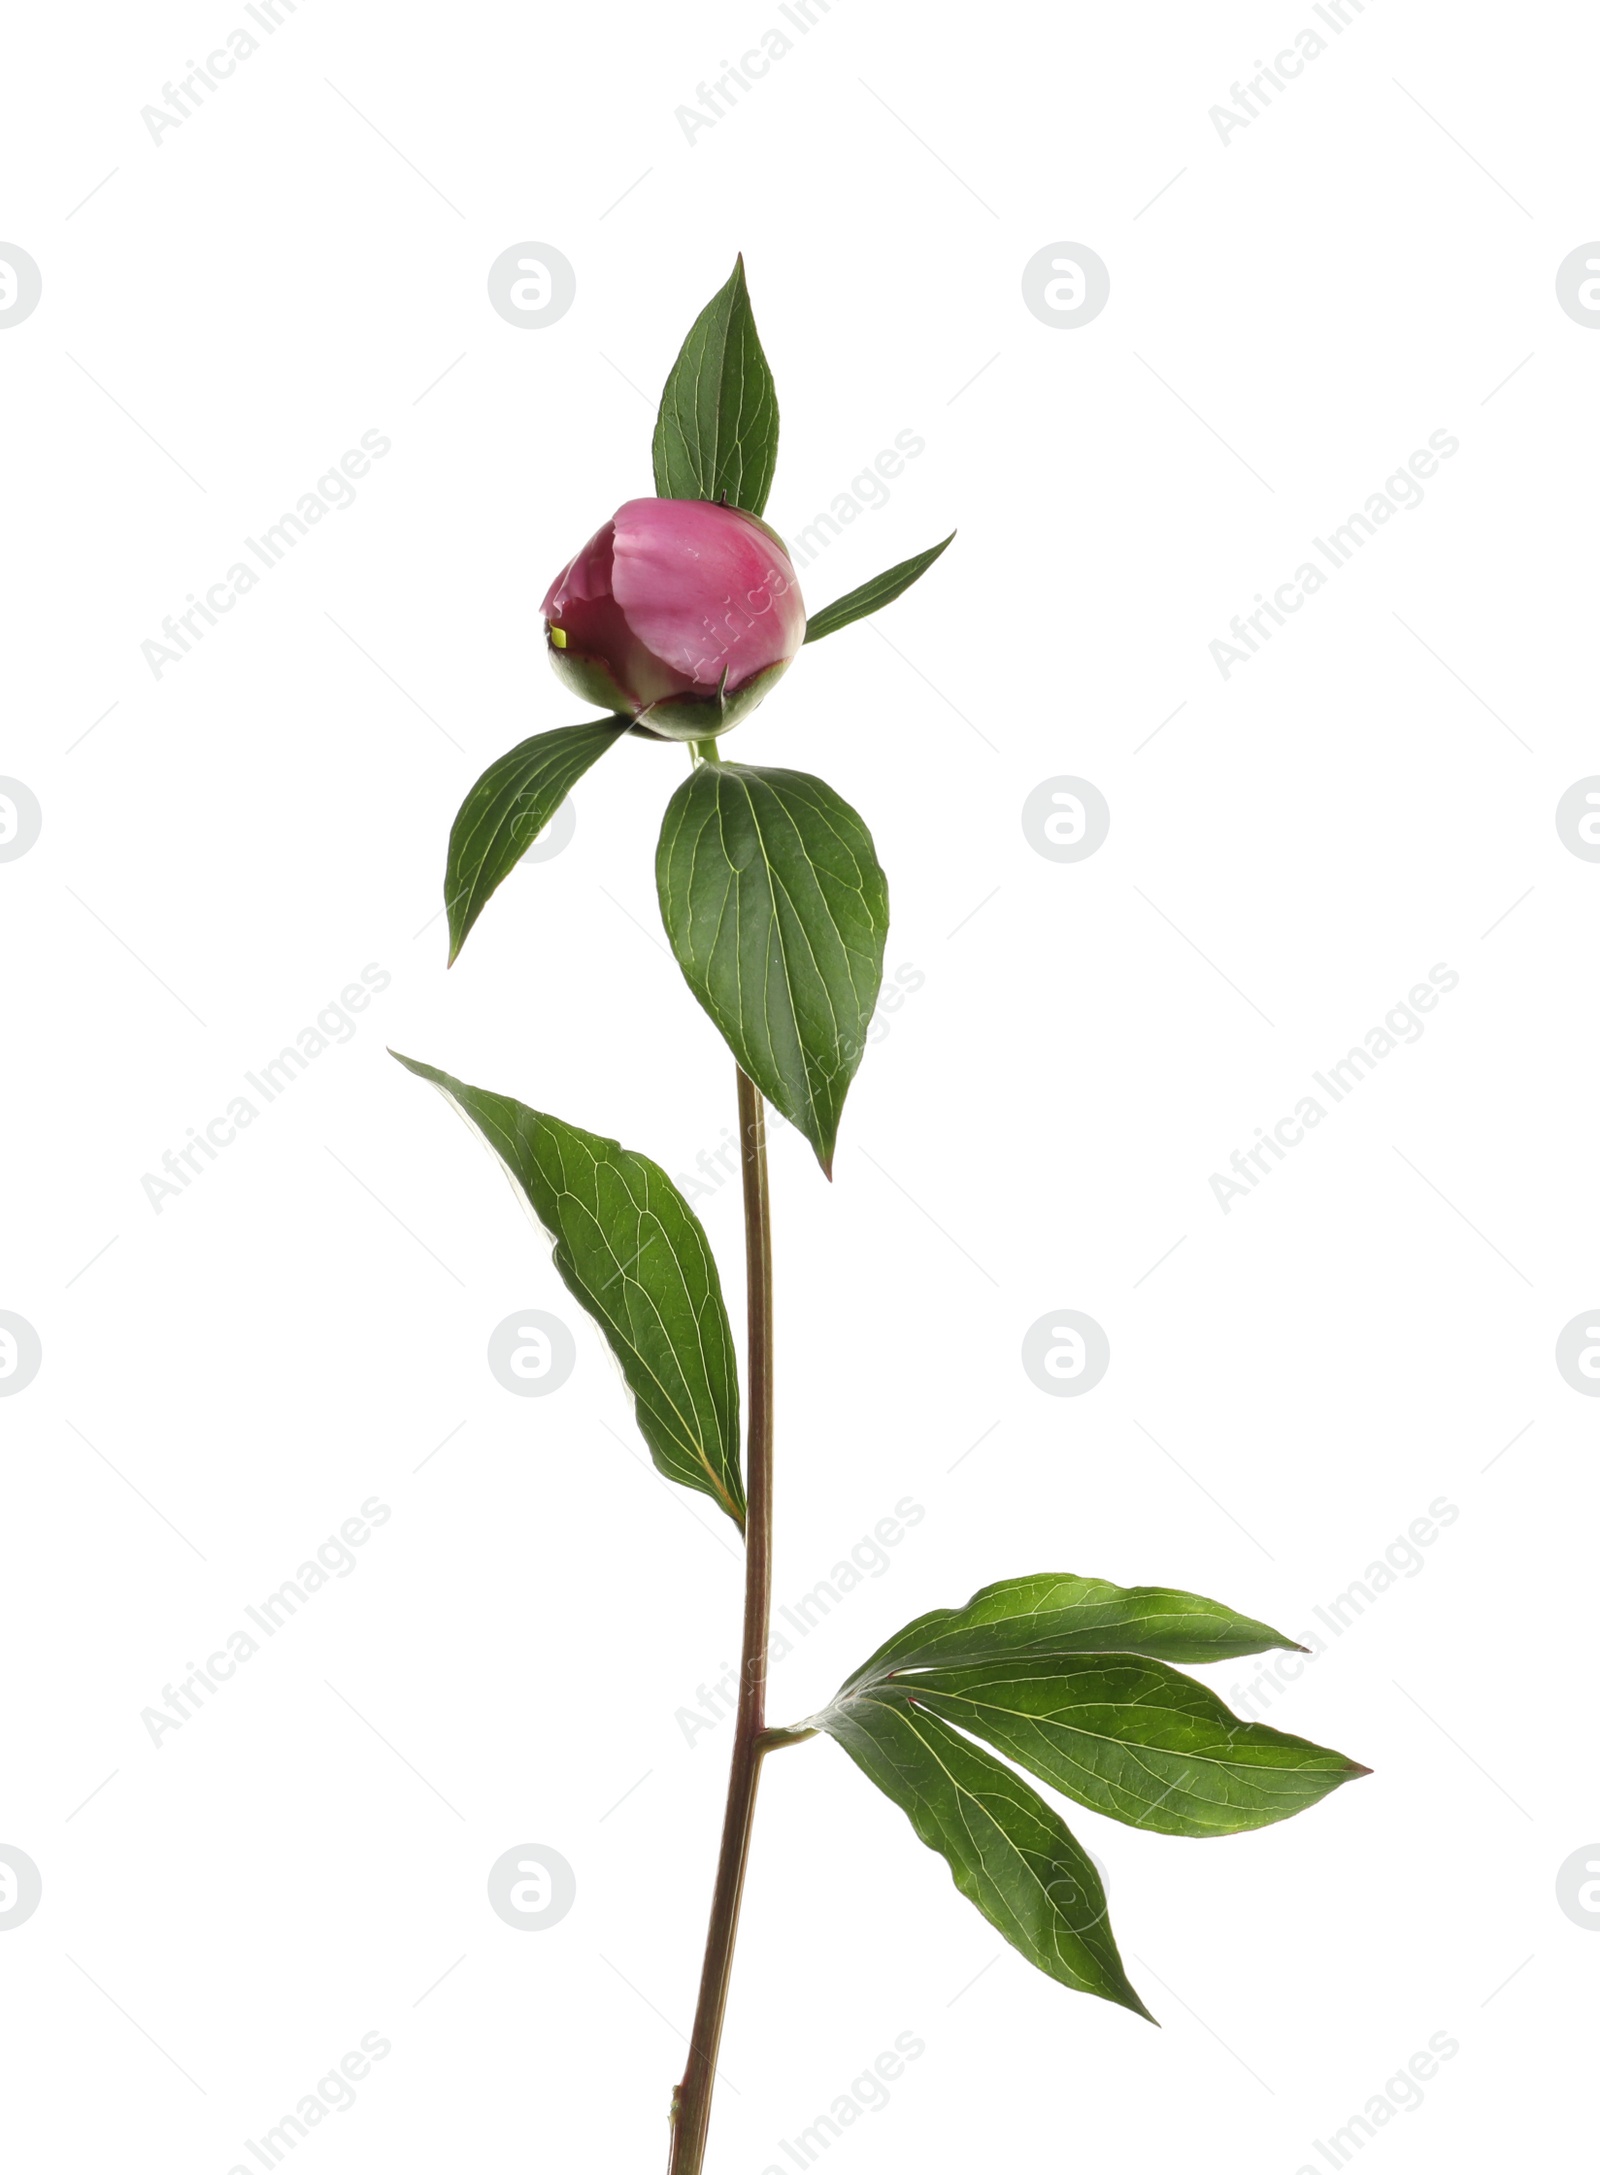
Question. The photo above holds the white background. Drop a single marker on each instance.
(1370, 261)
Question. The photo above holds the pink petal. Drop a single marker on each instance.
(705, 588)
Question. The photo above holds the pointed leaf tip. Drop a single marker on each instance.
(872, 596)
(1009, 1853)
(778, 911)
(507, 809)
(717, 428)
(1133, 1739)
(1058, 1613)
(636, 1258)
(1069, 1677)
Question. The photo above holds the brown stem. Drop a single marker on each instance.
(691, 2104)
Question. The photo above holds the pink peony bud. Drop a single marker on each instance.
(678, 613)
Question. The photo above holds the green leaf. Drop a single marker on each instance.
(1067, 1676)
(1055, 1613)
(717, 431)
(777, 910)
(1008, 1852)
(632, 1253)
(1132, 1739)
(508, 808)
(872, 596)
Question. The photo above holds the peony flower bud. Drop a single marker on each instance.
(677, 613)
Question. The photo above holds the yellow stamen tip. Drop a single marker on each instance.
(558, 636)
